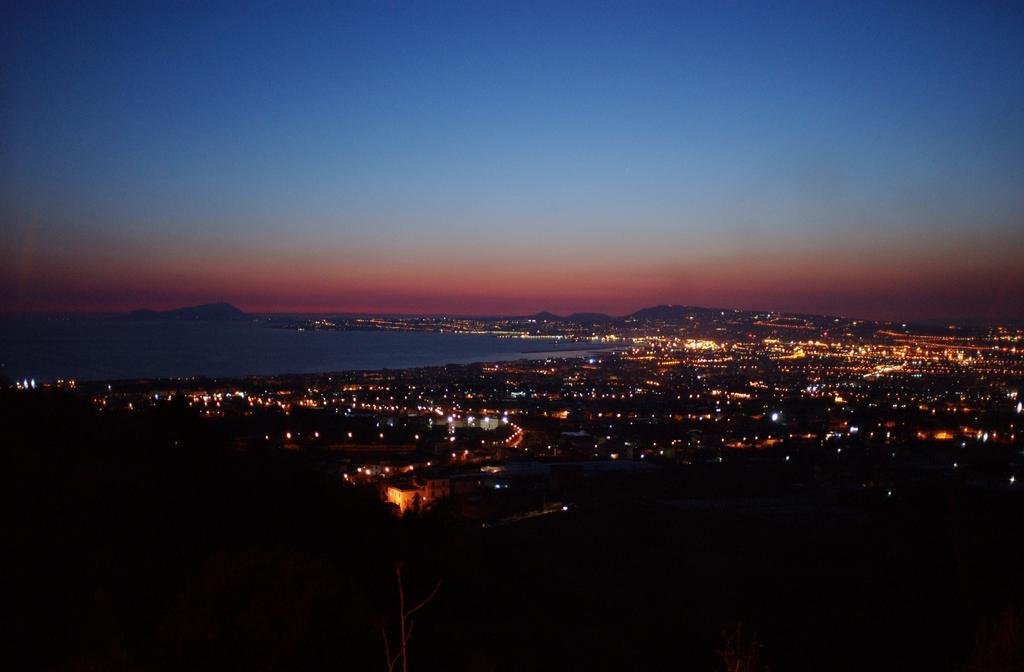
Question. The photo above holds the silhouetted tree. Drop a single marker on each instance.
(741, 651)
(405, 624)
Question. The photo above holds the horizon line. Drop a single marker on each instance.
(931, 322)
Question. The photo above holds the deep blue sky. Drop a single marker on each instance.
(856, 158)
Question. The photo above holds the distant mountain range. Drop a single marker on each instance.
(666, 313)
(222, 311)
(663, 313)
(575, 317)
(208, 311)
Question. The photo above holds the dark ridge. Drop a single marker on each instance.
(669, 312)
(589, 317)
(219, 311)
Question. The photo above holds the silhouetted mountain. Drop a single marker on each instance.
(208, 311)
(142, 314)
(589, 317)
(668, 313)
(575, 317)
(663, 313)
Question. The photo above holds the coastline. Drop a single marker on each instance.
(107, 350)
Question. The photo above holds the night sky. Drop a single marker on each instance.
(486, 158)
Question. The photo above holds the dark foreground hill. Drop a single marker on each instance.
(145, 542)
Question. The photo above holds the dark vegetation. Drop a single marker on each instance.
(143, 541)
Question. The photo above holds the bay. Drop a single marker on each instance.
(47, 348)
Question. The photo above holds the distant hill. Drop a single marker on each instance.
(589, 317)
(663, 313)
(208, 311)
(668, 313)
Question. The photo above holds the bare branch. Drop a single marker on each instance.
(425, 601)
(387, 649)
(408, 633)
(405, 624)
